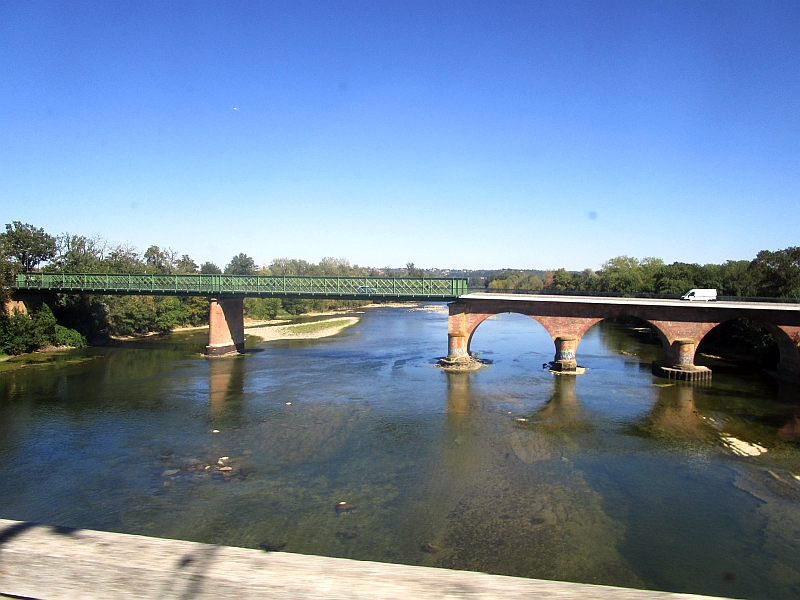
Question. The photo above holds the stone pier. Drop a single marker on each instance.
(225, 326)
(564, 360)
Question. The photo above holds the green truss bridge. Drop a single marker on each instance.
(226, 293)
(255, 286)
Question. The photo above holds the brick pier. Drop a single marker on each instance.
(225, 326)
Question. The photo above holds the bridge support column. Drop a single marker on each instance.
(788, 342)
(680, 364)
(225, 326)
(28, 303)
(458, 333)
(566, 347)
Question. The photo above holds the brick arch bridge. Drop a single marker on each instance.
(680, 325)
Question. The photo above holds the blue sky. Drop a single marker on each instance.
(448, 134)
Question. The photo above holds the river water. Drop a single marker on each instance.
(611, 477)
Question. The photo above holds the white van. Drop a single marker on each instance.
(700, 295)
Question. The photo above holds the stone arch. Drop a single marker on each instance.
(666, 343)
(787, 340)
(479, 318)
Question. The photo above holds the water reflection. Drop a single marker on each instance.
(507, 493)
(225, 385)
(675, 416)
(459, 394)
(634, 338)
(562, 411)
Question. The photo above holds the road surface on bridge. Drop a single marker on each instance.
(613, 300)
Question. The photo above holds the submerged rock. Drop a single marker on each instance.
(344, 507)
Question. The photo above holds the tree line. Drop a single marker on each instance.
(75, 318)
(769, 275)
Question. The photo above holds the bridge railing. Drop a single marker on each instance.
(243, 285)
(482, 290)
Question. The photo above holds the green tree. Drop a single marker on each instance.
(79, 254)
(261, 308)
(677, 278)
(622, 274)
(160, 261)
(737, 279)
(27, 245)
(585, 281)
(777, 273)
(6, 276)
(413, 271)
(124, 259)
(562, 280)
(209, 268)
(23, 333)
(186, 265)
(241, 264)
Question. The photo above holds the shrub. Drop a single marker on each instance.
(64, 336)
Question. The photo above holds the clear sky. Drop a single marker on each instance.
(449, 134)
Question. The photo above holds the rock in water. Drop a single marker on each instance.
(344, 507)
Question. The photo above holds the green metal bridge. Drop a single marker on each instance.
(255, 286)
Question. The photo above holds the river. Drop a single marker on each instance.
(611, 477)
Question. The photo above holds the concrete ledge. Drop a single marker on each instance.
(43, 562)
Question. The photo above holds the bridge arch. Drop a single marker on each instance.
(666, 344)
(481, 317)
(786, 339)
(679, 326)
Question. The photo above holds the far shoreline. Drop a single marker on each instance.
(267, 329)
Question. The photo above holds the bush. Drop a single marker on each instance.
(22, 333)
(64, 336)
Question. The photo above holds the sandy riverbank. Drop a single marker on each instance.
(303, 331)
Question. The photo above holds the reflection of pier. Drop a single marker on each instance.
(225, 383)
(563, 410)
(459, 394)
(675, 415)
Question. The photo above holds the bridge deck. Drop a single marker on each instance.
(341, 288)
(610, 300)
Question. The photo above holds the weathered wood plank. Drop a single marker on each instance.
(43, 562)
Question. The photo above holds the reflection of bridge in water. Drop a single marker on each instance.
(673, 415)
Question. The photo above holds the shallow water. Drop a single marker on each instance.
(610, 477)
